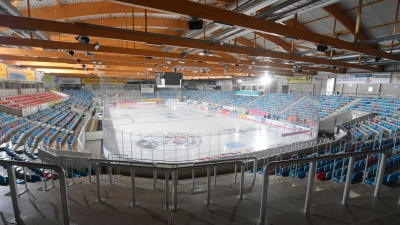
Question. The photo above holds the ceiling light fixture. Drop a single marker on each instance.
(377, 59)
(181, 61)
(78, 60)
(96, 45)
(322, 48)
(83, 39)
(70, 52)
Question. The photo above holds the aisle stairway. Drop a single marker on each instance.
(285, 196)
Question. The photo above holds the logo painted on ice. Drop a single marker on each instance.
(169, 141)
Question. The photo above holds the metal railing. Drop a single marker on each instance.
(313, 163)
(174, 170)
(18, 218)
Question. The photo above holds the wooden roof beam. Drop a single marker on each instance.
(215, 14)
(121, 34)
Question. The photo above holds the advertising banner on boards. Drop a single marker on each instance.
(299, 80)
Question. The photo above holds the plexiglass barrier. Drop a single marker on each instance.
(268, 121)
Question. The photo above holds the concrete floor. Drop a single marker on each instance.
(285, 197)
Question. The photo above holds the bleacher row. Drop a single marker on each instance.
(23, 101)
(274, 104)
(336, 170)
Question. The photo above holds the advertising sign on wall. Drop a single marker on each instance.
(39, 76)
(147, 88)
(319, 78)
(67, 80)
(396, 78)
(3, 71)
(30, 75)
(104, 81)
(354, 79)
(47, 78)
(381, 78)
(14, 73)
(299, 80)
(248, 93)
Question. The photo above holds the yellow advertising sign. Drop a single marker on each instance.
(30, 75)
(103, 81)
(3, 71)
(299, 80)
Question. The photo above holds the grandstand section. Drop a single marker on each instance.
(176, 112)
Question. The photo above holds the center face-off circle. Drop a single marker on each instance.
(169, 141)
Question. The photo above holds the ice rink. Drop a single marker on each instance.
(180, 133)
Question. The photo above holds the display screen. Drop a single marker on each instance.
(173, 79)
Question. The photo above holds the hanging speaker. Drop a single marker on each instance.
(196, 25)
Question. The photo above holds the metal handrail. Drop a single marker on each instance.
(174, 171)
(14, 191)
(156, 165)
(312, 161)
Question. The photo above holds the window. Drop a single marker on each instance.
(12, 85)
(6, 85)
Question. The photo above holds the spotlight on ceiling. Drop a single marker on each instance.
(253, 62)
(377, 59)
(181, 61)
(100, 62)
(78, 60)
(184, 54)
(83, 39)
(89, 54)
(168, 61)
(70, 52)
(96, 45)
(322, 48)
(83, 65)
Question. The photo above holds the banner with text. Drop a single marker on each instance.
(354, 79)
(3, 71)
(147, 88)
(103, 81)
(299, 80)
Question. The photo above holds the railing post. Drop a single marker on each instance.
(110, 174)
(133, 203)
(99, 198)
(154, 179)
(235, 174)
(241, 196)
(346, 191)
(18, 219)
(175, 190)
(264, 190)
(166, 207)
(306, 211)
(90, 172)
(208, 196)
(193, 176)
(215, 176)
(381, 172)
(255, 168)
